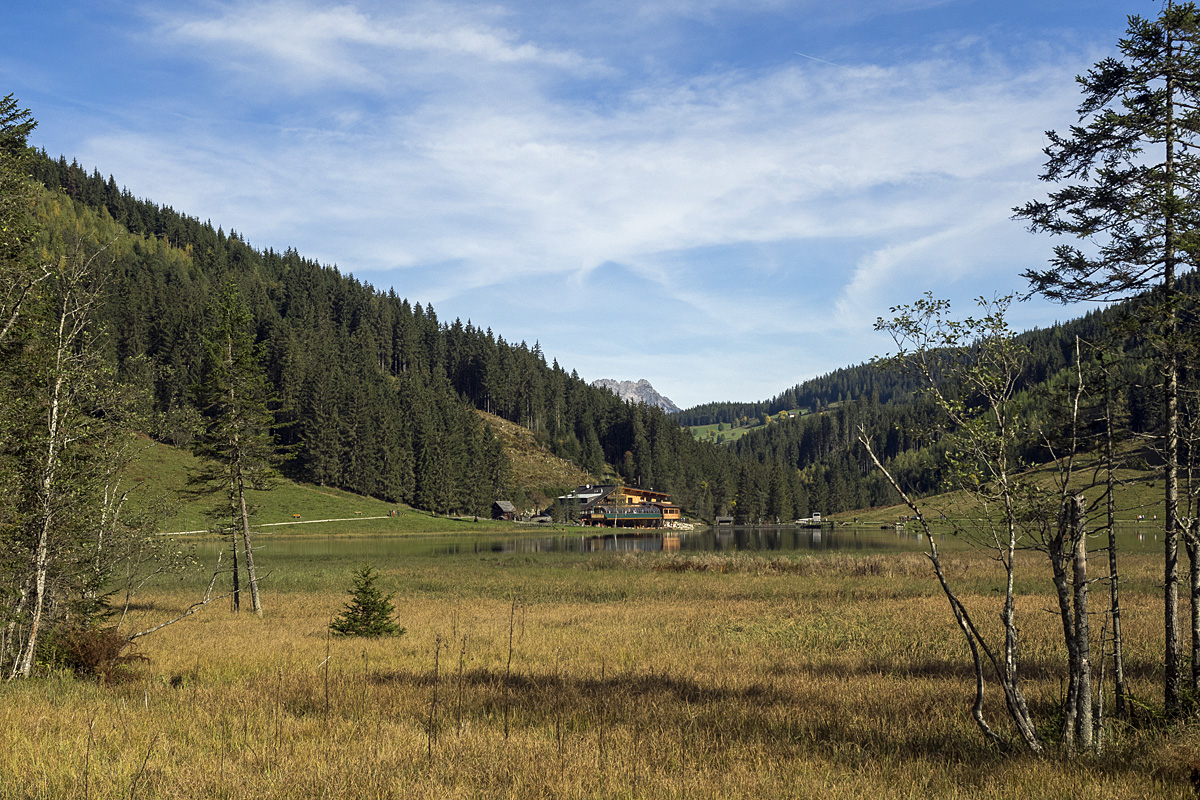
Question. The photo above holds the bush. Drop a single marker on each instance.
(96, 653)
(369, 612)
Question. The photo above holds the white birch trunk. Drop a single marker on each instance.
(46, 488)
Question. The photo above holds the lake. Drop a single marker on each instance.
(774, 539)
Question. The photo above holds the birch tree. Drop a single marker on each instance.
(971, 367)
(56, 428)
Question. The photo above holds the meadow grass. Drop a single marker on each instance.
(288, 507)
(566, 676)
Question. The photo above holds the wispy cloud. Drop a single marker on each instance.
(468, 152)
(306, 46)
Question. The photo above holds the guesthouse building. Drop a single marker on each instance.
(614, 506)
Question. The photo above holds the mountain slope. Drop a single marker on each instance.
(378, 396)
(536, 476)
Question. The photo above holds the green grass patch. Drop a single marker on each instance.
(725, 433)
(159, 478)
(1138, 495)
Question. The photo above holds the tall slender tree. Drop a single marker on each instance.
(57, 428)
(1129, 177)
(234, 397)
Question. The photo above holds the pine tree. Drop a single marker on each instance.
(370, 612)
(1130, 177)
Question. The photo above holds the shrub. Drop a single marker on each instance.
(96, 653)
(369, 612)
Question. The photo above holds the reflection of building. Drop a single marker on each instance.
(621, 507)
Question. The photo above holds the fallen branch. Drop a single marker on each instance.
(190, 610)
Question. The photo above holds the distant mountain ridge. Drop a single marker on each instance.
(641, 392)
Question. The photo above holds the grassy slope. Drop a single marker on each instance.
(533, 468)
(732, 434)
(1139, 492)
(161, 473)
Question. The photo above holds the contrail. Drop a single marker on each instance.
(823, 61)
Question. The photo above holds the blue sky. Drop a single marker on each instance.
(719, 196)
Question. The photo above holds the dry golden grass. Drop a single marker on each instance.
(630, 676)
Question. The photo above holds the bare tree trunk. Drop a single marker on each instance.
(1010, 677)
(971, 635)
(1014, 698)
(1069, 544)
(205, 599)
(1191, 543)
(47, 486)
(1083, 647)
(1171, 643)
(1062, 589)
(1005, 670)
(1172, 648)
(1098, 722)
(12, 635)
(235, 596)
(251, 576)
(1114, 575)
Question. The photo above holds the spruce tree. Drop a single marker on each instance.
(18, 276)
(370, 612)
(233, 397)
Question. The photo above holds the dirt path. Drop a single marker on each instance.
(276, 524)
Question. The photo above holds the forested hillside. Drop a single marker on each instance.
(374, 393)
(906, 427)
(1050, 351)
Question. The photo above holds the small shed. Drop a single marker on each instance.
(503, 509)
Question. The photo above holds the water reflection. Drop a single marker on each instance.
(857, 539)
(852, 539)
(723, 539)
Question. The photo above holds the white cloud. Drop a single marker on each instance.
(300, 46)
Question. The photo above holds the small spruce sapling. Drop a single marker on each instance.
(369, 612)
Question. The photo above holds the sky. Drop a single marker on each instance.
(719, 196)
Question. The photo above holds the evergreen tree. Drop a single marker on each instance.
(370, 612)
(1130, 178)
(233, 397)
(18, 276)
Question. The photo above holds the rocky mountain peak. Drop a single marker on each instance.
(639, 392)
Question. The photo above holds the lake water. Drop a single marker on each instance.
(848, 539)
